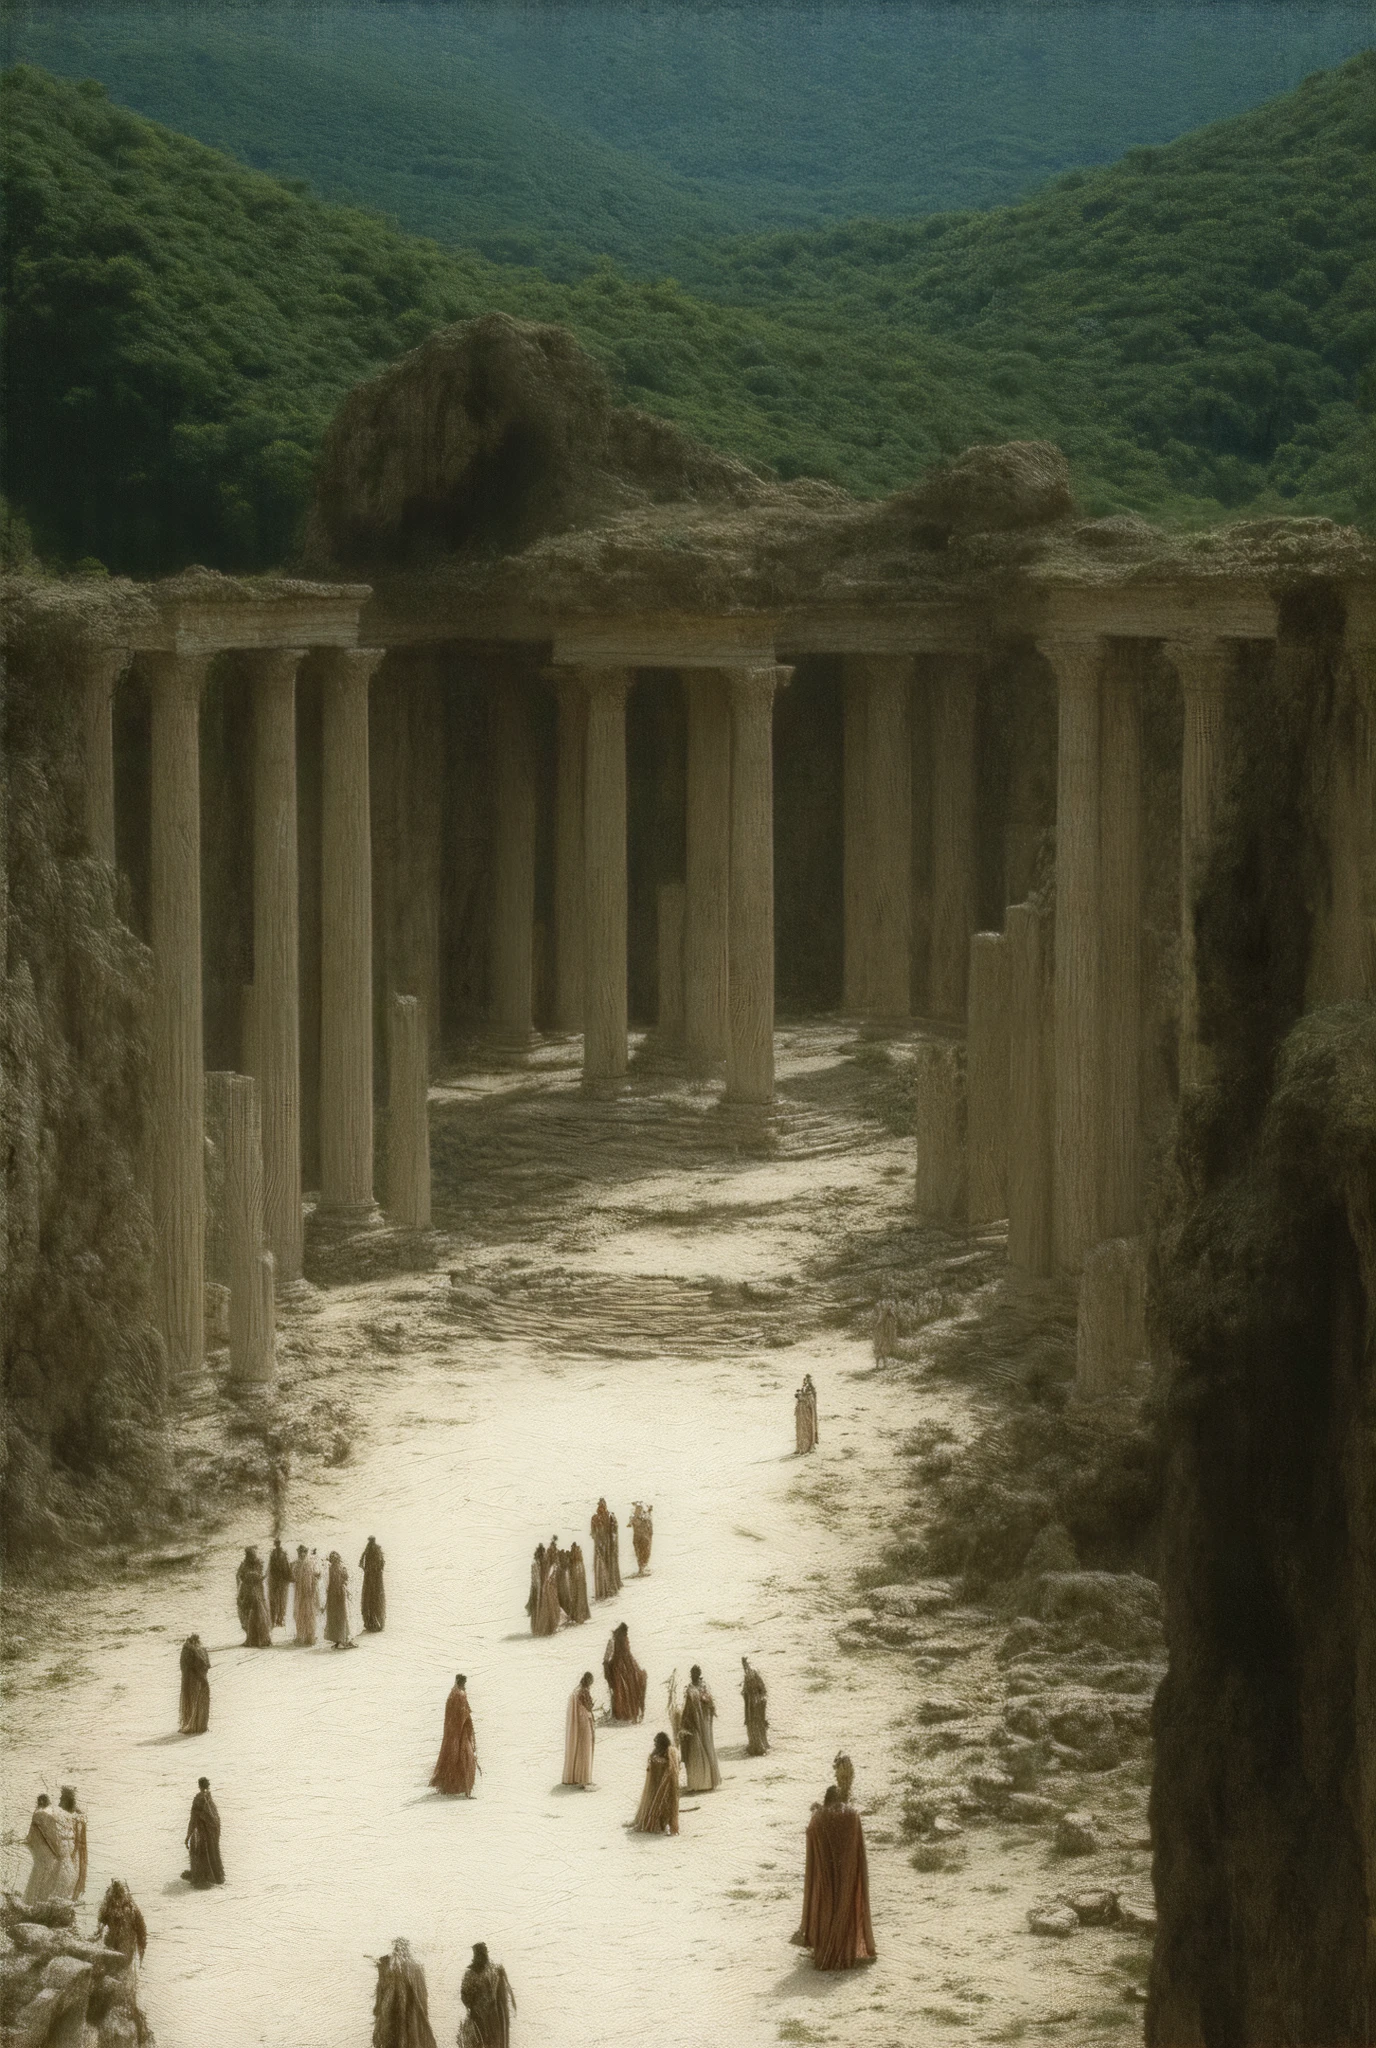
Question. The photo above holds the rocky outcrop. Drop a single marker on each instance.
(58, 1990)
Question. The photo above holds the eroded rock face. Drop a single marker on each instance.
(995, 489)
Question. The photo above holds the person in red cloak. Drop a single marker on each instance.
(458, 1760)
(836, 1888)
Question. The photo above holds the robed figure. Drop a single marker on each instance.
(696, 1741)
(203, 1839)
(580, 1734)
(52, 1843)
(67, 1804)
(374, 1601)
(337, 1604)
(658, 1808)
(401, 2003)
(624, 1676)
(614, 1553)
(836, 1888)
(563, 1582)
(756, 1698)
(126, 1931)
(805, 1415)
(579, 1609)
(279, 1583)
(252, 1601)
(458, 1758)
(537, 1583)
(642, 1534)
(488, 2002)
(305, 1607)
(193, 1713)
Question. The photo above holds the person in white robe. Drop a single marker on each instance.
(580, 1734)
(697, 1742)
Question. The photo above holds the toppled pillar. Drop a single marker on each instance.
(942, 1182)
(408, 1118)
(986, 1068)
(251, 1321)
(1111, 1332)
(672, 909)
(1031, 1245)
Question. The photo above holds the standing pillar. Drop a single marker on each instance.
(346, 937)
(669, 1018)
(604, 853)
(1120, 954)
(1352, 830)
(251, 1320)
(513, 918)
(1203, 667)
(569, 886)
(987, 1059)
(705, 935)
(750, 930)
(1031, 1239)
(101, 669)
(954, 881)
(276, 1062)
(941, 1184)
(1078, 1149)
(856, 860)
(408, 1117)
(889, 808)
(178, 1069)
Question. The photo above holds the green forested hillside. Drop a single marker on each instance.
(180, 329)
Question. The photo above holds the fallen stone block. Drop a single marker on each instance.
(42, 1913)
(1094, 1909)
(1057, 1920)
(941, 1706)
(1077, 1834)
(1030, 1807)
(926, 1596)
(1022, 1717)
(992, 1788)
(1119, 1609)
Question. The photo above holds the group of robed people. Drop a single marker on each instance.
(401, 2002)
(558, 1587)
(261, 1595)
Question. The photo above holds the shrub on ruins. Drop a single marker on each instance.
(83, 1364)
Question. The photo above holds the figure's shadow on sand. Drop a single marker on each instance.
(806, 1979)
(561, 1788)
(166, 1741)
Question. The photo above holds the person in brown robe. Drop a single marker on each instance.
(579, 1609)
(658, 1808)
(305, 1577)
(696, 1739)
(458, 1759)
(279, 1583)
(203, 1840)
(252, 1601)
(337, 1604)
(537, 1586)
(488, 2002)
(549, 1614)
(756, 1699)
(844, 1770)
(564, 1584)
(599, 1529)
(580, 1734)
(126, 1931)
(805, 1416)
(836, 1888)
(624, 1676)
(401, 2002)
(614, 1553)
(374, 1601)
(642, 1535)
(193, 1716)
(67, 1803)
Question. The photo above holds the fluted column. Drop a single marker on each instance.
(100, 670)
(986, 1066)
(408, 1116)
(1352, 830)
(878, 835)
(708, 870)
(569, 885)
(251, 1319)
(856, 862)
(178, 1063)
(276, 952)
(1204, 667)
(513, 916)
(1031, 1180)
(750, 935)
(1120, 955)
(1078, 940)
(604, 855)
(346, 937)
(955, 893)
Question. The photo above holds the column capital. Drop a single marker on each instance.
(756, 686)
(180, 674)
(1203, 666)
(350, 667)
(602, 682)
(274, 667)
(1077, 662)
(102, 664)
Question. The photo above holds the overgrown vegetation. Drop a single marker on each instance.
(1192, 325)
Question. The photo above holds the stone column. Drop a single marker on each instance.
(750, 928)
(955, 893)
(251, 1320)
(408, 1117)
(346, 937)
(1204, 667)
(1031, 1241)
(878, 835)
(276, 1063)
(1120, 954)
(1352, 830)
(856, 862)
(101, 669)
(178, 1068)
(569, 885)
(705, 968)
(1078, 1148)
(1111, 1326)
(987, 1062)
(670, 922)
(513, 915)
(604, 855)
(942, 1179)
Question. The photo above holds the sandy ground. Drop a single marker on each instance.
(646, 1347)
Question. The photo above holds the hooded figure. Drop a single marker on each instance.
(579, 1609)
(658, 1808)
(193, 1716)
(600, 1530)
(614, 1553)
(67, 1804)
(696, 1741)
(125, 1929)
(458, 1758)
(252, 1602)
(488, 2002)
(305, 1611)
(401, 2003)
(756, 1698)
(279, 1582)
(203, 1840)
(642, 1534)
(337, 1604)
(580, 1734)
(51, 1841)
(805, 1415)
(374, 1602)
(836, 1888)
(549, 1612)
(624, 1676)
